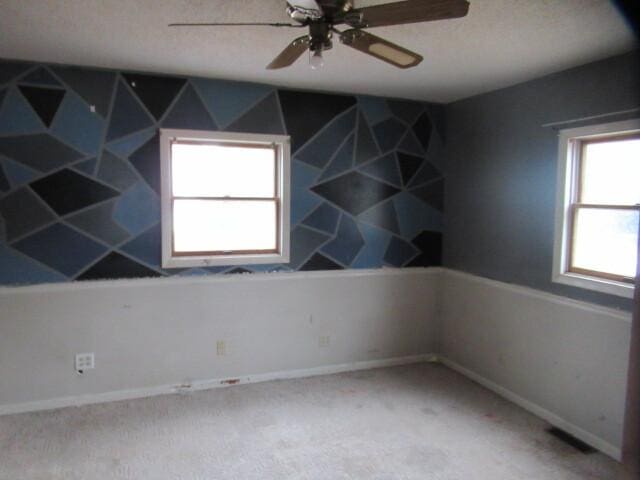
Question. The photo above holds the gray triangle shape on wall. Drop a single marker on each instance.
(431, 193)
(342, 160)
(127, 116)
(189, 112)
(4, 181)
(27, 149)
(410, 144)
(304, 242)
(86, 166)
(385, 169)
(320, 149)
(98, 221)
(383, 215)
(366, 147)
(116, 172)
(156, 92)
(94, 86)
(409, 165)
(44, 101)
(10, 70)
(406, 110)
(41, 77)
(426, 173)
(264, 117)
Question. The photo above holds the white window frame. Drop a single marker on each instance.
(282, 146)
(566, 188)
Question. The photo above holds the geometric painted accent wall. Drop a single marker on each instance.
(79, 172)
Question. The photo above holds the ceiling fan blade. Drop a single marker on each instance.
(290, 54)
(408, 11)
(380, 48)
(237, 24)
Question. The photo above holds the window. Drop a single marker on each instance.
(598, 207)
(225, 198)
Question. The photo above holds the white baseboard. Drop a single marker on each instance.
(589, 438)
(76, 401)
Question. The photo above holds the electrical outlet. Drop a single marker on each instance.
(220, 348)
(324, 341)
(85, 361)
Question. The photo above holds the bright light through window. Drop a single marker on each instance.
(611, 172)
(224, 226)
(201, 170)
(605, 241)
(225, 198)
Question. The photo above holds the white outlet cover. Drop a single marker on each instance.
(85, 361)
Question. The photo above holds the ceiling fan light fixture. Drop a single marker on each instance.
(316, 61)
(396, 56)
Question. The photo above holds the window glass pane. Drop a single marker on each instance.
(611, 172)
(224, 225)
(606, 240)
(201, 170)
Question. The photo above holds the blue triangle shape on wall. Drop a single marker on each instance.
(342, 161)
(324, 218)
(16, 173)
(347, 243)
(383, 215)
(17, 117)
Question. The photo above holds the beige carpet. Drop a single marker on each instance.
(414, 422)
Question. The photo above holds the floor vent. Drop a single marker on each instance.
(570, 440)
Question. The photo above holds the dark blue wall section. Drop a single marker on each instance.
(501, 170)
(79, 172)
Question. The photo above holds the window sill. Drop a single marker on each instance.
(598, 284)
(223, 260)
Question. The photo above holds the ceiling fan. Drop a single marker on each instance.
(322, 16)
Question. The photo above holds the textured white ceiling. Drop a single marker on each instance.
(500, 42)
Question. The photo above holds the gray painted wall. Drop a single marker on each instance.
(501, 171)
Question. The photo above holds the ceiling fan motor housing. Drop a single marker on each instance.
(320, 36)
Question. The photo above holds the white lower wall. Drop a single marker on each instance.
(148, 335)
(564, 360)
